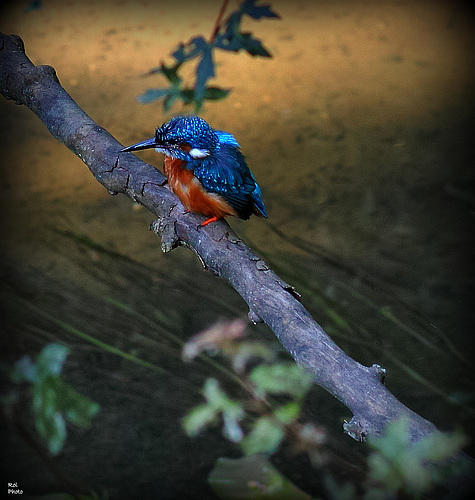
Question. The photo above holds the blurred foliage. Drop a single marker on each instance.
(53, 401)
(257, 401)
(217, 403)
(227, 36)
(263, 429)
(397, 468)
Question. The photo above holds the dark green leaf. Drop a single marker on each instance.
(265, 437)
(78, 409)
(253, 46)
(215, 93)
(169, 100)
(171, 72)
(187, 96)
(53, 400)
(288, 413)
(198, 418)
(233, 23)
(250, 8)
(55, 433)
(284, 378)
(400, 465)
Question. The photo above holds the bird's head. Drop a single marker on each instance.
(186, 138)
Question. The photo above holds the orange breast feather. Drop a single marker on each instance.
(191, 193)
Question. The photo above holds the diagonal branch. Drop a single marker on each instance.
(221, 251)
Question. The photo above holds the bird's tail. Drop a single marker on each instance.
(259, 208)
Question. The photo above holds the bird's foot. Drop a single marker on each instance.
(208, 221)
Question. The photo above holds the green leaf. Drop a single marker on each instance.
(171, 72)
(215, 396)
(79, 409)
(51, 359)
(257, 12)
(265, 437)
(215, 93)
(287, 413)
(169, 100)
(187, 96)
(24, 370)
(283, 378)
(399, 465)
(232, 430)
(198, 418)
(217, 403)
(253, 46)
(211, 94)
(381, 471)
(439, 446)
(52, 428)
(395, 440)
(56, 433)
(53, 401)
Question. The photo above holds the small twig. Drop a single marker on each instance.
(217, 25)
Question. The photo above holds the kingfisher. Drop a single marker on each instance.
(205, 169)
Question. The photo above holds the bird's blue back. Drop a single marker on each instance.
(225, 172)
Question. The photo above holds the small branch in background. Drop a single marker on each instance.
(226, 36)
(219, 19)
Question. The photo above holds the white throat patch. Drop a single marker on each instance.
(198, 153)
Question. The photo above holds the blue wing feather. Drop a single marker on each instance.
(226, 173)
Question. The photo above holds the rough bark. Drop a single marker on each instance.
(221, 251)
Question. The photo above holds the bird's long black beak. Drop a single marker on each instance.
(149, 143)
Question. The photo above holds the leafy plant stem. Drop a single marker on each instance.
(174, 338)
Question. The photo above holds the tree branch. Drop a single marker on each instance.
(220, 250)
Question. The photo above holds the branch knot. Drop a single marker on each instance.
(165, 227)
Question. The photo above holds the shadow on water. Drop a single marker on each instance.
(136, 443)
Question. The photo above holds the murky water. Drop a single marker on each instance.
(359, 131)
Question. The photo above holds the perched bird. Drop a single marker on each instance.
(206, 169)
